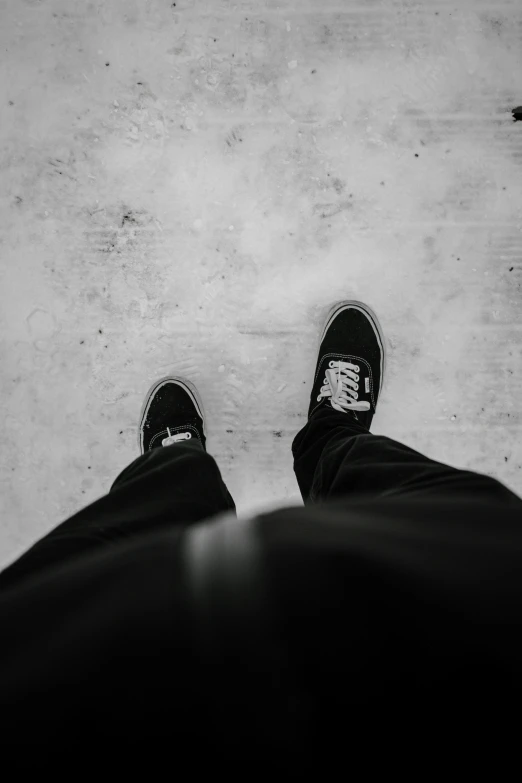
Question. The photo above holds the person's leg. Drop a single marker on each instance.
(336, 456)
(170, 487)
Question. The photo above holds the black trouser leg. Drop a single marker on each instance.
(336, 456)
(167, 488)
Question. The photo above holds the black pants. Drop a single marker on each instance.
(173, 487)
(390, 610)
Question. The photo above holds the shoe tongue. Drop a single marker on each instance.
(353, 413)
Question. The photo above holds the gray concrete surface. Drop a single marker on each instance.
(187, 187)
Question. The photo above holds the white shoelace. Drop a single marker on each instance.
(175, 438)
(337, 386)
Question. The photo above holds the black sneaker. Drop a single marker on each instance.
(350, 367)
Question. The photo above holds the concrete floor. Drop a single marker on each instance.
(187, 187)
